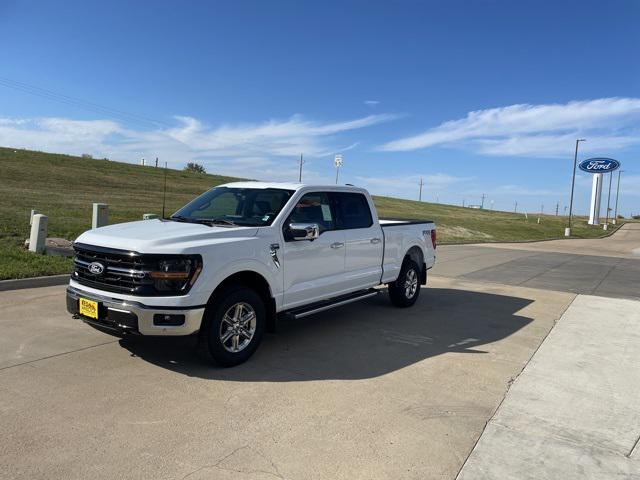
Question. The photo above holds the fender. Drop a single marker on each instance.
(211, 281)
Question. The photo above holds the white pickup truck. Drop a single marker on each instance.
(227, 264)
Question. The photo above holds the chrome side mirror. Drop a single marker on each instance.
(304, 231)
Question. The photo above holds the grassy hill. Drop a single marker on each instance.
(63, 187)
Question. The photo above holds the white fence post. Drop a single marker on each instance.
(38, 233)
(100, 215)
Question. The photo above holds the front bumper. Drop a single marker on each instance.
(124, 316)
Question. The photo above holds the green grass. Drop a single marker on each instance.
(63, 187)
(465, 225)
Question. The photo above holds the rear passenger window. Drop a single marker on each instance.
(353, 210)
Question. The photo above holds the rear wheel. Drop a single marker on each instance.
(405, 290)
(232, 327)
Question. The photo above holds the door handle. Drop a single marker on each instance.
(375, 240)
(337, 245)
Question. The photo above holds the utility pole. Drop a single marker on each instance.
(420, 194)
(541, 209)
(301, 161)
(606, 222)
(567, 231)
(156, 162)
(515, 209)
(482, 202)
(617, 193)
(337, 161)
(463, 202)
(557, 208)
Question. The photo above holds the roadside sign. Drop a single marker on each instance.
(599, 165)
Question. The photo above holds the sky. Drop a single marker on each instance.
(474, 97)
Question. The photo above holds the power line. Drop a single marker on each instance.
(101, 109)
(77, 102)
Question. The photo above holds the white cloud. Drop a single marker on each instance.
(255, 150)
(371, 103)
(408, 186)
(536, 130)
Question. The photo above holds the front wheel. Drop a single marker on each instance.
(232, 327)
(405, 290)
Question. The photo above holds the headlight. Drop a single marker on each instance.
(176, 274)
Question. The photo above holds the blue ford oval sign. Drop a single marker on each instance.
(599, 165)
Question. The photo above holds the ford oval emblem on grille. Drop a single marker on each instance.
(96, 268)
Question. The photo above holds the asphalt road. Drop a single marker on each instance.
(364, 391)
(608, 267)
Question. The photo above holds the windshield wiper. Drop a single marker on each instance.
(203, 221)
(219, 221)
(179, 218)
(213, 221)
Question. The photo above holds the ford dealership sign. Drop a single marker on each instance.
(599, 165)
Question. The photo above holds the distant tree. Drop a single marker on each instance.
(86, 155)
(194, 167)
(636, 217)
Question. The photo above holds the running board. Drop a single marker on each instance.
(307, 310)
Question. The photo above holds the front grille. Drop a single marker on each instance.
(124, 271)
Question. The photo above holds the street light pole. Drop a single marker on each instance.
(606, 222)
(615, 215)
(300, 171)
(567, 231)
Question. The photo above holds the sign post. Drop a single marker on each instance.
(596, 199)
(337, 161)
(598, 167)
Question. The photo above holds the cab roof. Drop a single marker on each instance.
(289, 186)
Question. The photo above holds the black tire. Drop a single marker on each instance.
(401, 295)
(214, 327)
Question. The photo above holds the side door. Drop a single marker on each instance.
(363, 236)
(313, 269)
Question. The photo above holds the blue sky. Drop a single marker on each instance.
(475, 97)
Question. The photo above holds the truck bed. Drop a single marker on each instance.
(399, 239)
(391, 222)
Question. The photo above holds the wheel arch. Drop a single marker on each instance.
(416, 254)
(255, 281)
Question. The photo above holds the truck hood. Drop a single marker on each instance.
(161, 236)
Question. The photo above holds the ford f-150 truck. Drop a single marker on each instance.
(230, 262)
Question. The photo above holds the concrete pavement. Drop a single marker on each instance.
(365, 391)
(573, 413)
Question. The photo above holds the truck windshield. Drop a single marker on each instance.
(235, 206)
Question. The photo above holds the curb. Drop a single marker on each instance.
(34, 282)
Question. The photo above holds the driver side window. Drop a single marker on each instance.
(314, 208)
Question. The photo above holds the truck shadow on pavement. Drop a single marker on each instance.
(358, 341)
